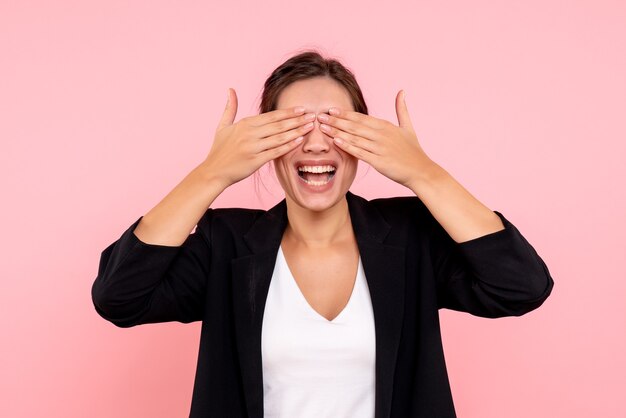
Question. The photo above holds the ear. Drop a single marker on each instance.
(404, 119)
(228, 117)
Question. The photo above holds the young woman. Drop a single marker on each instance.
(327, 304)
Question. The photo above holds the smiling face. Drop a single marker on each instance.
(317, 174)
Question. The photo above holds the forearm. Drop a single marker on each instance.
(462, 215)
(171, 221)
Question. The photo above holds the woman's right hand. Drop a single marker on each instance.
(239, 149)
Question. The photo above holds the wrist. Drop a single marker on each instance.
(210, 176)
(426, 176)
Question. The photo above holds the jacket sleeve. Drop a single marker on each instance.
(498, 274)
(140, 283)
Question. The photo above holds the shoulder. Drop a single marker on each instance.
(400, 208)
(401, 219)
(398, 204)
(234, 220)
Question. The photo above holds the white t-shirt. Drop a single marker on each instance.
(313, 367)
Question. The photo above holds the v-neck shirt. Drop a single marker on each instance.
(313, 367)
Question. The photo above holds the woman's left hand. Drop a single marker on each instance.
(393, 150)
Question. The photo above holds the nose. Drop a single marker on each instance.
(316, 141)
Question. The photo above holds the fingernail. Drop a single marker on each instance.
(323, 117)
(308, 125)
(298, 109)
(324, 128)
(333, 111)
(298, 139)
(338, 140)
(309, 116)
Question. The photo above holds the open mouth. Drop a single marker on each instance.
(316, 175)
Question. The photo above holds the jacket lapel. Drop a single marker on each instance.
(251, 281)
(384, 269)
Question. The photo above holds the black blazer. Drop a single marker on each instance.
(221, 276)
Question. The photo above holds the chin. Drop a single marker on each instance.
(317, 204)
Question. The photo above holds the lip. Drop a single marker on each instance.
(311, 188)
(315, 163)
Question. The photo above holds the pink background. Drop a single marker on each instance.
(106, 105)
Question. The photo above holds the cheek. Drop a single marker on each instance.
(282, 165)
(348, 159)
(353, 163)
(280, 170)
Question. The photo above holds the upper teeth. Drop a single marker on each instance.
(316, 168)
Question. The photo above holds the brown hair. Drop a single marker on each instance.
(305, 65)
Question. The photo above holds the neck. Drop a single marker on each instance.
(318, 229)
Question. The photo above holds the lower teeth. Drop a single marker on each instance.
(316, 183)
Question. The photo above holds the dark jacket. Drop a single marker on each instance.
(221, 276)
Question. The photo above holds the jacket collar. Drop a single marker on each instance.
(384, 270)
(267, 232)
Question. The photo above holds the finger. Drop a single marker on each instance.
(230, 111)
(284, 137)
(404, 119)
(354, 150)
(277, 152)
(276, 115)
(364, 143)
(353, 127)
(284, 125)
(368, 120)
